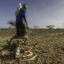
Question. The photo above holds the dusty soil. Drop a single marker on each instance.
(47, 44)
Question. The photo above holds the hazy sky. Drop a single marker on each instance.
(39, 12)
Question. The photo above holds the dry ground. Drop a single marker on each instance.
(47, 44)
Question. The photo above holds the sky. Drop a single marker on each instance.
(39, 12)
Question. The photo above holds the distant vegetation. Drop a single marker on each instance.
(50, 27)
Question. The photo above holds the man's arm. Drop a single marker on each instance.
(25, 21)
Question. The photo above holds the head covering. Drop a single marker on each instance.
(18, 8)
(20, 5)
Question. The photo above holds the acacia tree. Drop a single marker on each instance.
(50, 27)
(12, 24)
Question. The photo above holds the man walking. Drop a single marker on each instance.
(21, 25)
(21, 22)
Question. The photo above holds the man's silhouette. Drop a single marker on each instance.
(21, 26)
(21, 22)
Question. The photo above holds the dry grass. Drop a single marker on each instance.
(47, 44)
